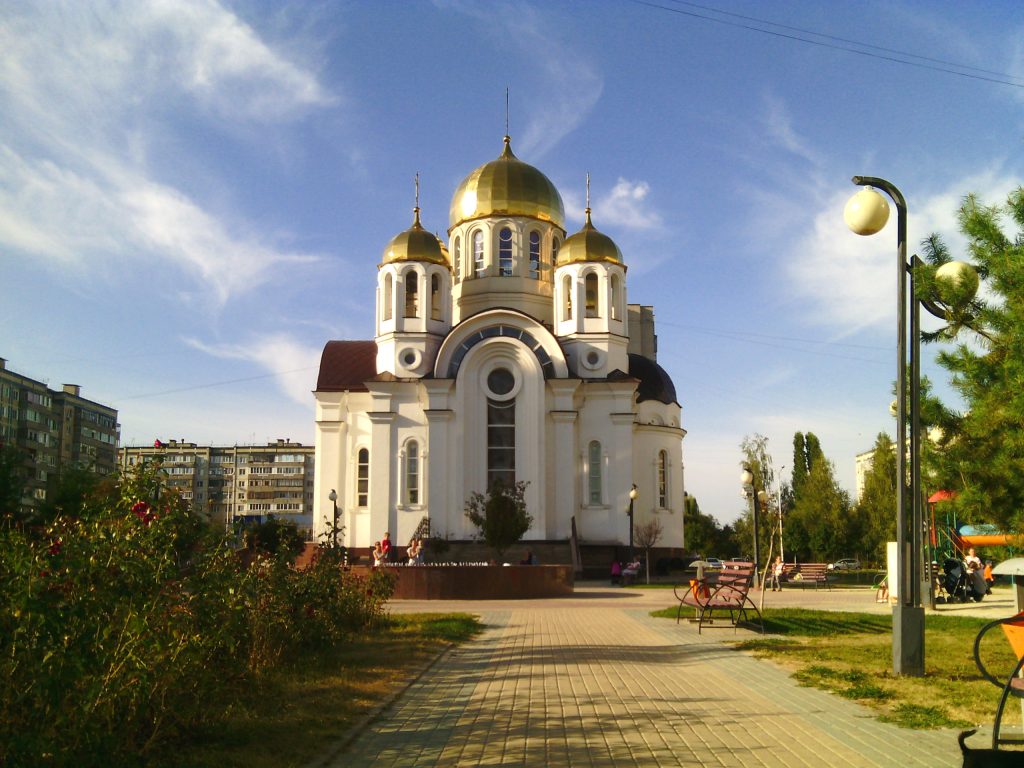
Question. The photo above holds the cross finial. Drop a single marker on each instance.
(416, 210)
(506, 110)
(588, 189)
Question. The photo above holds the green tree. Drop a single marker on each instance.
(819, 526)
(500, 516)
(876, 509)
(276, 537)
(806, 453)
(12, 481)
(980, 452)
(703, 535)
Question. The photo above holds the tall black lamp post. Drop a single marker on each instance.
(866, 213)
(633, 493)
(333, 496)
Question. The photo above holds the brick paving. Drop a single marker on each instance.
(593, 680)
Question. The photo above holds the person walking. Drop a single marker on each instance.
(776, 577)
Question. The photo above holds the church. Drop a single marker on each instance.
(508, 353)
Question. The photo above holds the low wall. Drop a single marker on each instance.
(479, 582)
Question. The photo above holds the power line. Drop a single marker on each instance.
(211, 384)
(999, 79)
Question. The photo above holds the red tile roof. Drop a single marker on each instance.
(347, 365)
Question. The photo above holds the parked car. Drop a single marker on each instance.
(846, 564)
(714, 562)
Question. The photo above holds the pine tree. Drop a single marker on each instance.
(876, 509)
(980, 454)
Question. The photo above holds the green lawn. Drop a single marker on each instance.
(850, 654)
(298, 712)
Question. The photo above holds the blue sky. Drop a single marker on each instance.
(194, 196)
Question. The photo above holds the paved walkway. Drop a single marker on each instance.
(593, 680)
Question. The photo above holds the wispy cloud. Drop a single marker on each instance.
(846, 281)
(568, 83)
(293, 364)
(77, 185)
(626, 205)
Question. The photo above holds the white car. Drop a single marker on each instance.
(846, 564)
(714, 562)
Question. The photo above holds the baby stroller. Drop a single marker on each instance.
(959, 585)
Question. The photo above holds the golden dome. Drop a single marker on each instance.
(506, 187)
(589, 245)
(416, 244)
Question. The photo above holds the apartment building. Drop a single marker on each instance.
(237, 484)
(56, 429)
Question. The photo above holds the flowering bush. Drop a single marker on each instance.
(118, 629)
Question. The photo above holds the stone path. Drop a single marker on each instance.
(594, 681)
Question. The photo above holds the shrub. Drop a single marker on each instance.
(119, 628)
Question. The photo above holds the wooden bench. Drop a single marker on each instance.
(1012, 684)
(805, 574)
(723, 593)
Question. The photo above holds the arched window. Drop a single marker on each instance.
(435, 297)
(501, 428)
(554, 252)
(614, 298)
(457, 250)
(590, 291)
(412, 297)
(479, 268)
(505, 252)
(363, 478)
(412, 472)
(535, 255)
(386, 309)
(594, 472)
(662, 479)
(567, 297)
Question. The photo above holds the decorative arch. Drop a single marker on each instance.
(501, 323)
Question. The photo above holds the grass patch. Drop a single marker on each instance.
(295, 713)
(850, 655)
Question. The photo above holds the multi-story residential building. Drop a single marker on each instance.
(56, 429)
(239, 483)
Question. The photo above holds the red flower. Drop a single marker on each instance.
(55, 547)
(144, 512)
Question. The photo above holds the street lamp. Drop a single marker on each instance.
(747, 481)
(867, 213)
(333, 496)
(633, 493)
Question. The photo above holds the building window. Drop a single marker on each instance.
(614, 298)
(386, 309)
(480, 269)
(435, 297)
(501, 442)
(363, 478)
(412, 473)
(594, 472)
(505, 252)
(457, 250)
(412, 304)
(567, 298)
(535, 255)
(590, 290)
(662, 480)
(554, 253)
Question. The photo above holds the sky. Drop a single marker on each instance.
(194, 196)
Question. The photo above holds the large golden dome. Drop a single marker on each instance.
(589, 245)
(416, 244)
(506, 187)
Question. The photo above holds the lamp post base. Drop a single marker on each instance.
(908, 640)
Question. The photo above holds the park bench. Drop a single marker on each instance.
(725, 592)
(805, 574)
(1011, 684)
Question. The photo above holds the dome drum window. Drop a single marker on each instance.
(505, 252)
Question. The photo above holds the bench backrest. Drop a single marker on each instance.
(737, 575)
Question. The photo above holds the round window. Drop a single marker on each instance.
(501, 381)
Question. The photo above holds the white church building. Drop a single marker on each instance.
(509, 353)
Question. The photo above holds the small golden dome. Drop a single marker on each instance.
(589, 245)
(416, 244)
(506, 187)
